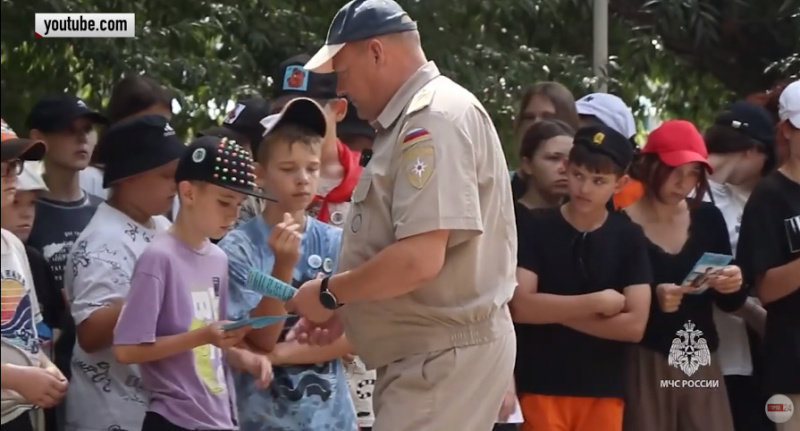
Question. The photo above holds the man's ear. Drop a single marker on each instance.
(339, 107)
(621, 183)
(36, 135)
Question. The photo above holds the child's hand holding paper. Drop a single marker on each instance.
(726, 280)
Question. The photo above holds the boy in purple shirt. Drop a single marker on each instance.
(170, 322)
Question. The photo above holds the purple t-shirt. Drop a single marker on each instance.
(176, 289)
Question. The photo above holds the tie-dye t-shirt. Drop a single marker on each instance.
(176, 289)
(301, 397)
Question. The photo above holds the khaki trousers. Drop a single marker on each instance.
(674, 406)
(458, 389)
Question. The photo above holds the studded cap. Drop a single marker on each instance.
(221, 162)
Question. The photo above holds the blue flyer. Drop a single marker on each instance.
(708, 266)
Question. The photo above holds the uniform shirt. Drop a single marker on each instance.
(769, 238)
(174, 290)
(437, 164)
(707, 233)
(21, 316)
(301, 397)
(104, 394)
(615, 257)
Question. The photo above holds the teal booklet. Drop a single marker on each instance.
(268, 285)
(256, 322)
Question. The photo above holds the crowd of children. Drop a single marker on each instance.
(126, 254)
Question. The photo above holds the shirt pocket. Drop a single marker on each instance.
(358, 220)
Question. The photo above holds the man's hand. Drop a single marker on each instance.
(41, 386)
(726, 280)
(284, 241)
(214, 334)
(306, 303)
(308, 332)
(509, 404)
(670, 296)
(609, 302)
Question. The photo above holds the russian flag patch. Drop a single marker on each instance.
(414, 136)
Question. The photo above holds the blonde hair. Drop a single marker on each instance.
(288, 134)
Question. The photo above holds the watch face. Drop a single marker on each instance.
(328, 301)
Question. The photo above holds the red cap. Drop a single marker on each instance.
(677, 142)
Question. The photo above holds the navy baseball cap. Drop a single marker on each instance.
(750, 119)
(243, 123)
(56, 112)
(293, 79)
(360, 20)
(137, 145)
(606, 140)
(221, 162)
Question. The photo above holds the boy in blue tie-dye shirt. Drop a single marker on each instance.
(309, 391)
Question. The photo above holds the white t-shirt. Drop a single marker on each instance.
(734, 347)
(21, 314)
(91, 181)
(104, 394)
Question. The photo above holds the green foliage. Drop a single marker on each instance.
(685, 58)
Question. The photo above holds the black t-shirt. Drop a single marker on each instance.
(518, 186)
(707, 233)
(553, 359)
(769, 237)
(51, 302)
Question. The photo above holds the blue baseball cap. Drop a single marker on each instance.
(360, 20)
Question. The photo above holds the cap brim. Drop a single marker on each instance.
(248, 191)
(682, 157)
(23, 149)
(321, 62)
(302, 111)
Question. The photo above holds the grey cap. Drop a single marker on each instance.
(360, 20)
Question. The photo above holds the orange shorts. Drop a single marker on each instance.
(557, 413)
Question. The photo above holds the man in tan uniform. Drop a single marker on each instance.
(428, 257)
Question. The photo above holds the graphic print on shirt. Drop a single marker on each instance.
(295, 382)
(792, 225)
(18, 326)
(82, 257)
(56, 254)
(207, 358)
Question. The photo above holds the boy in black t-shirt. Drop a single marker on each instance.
(769, 255)
(583, 295)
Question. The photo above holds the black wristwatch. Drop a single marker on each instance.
(326, 297)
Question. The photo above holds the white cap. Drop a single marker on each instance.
(789, 104)
(609, 109)
(30, 180)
